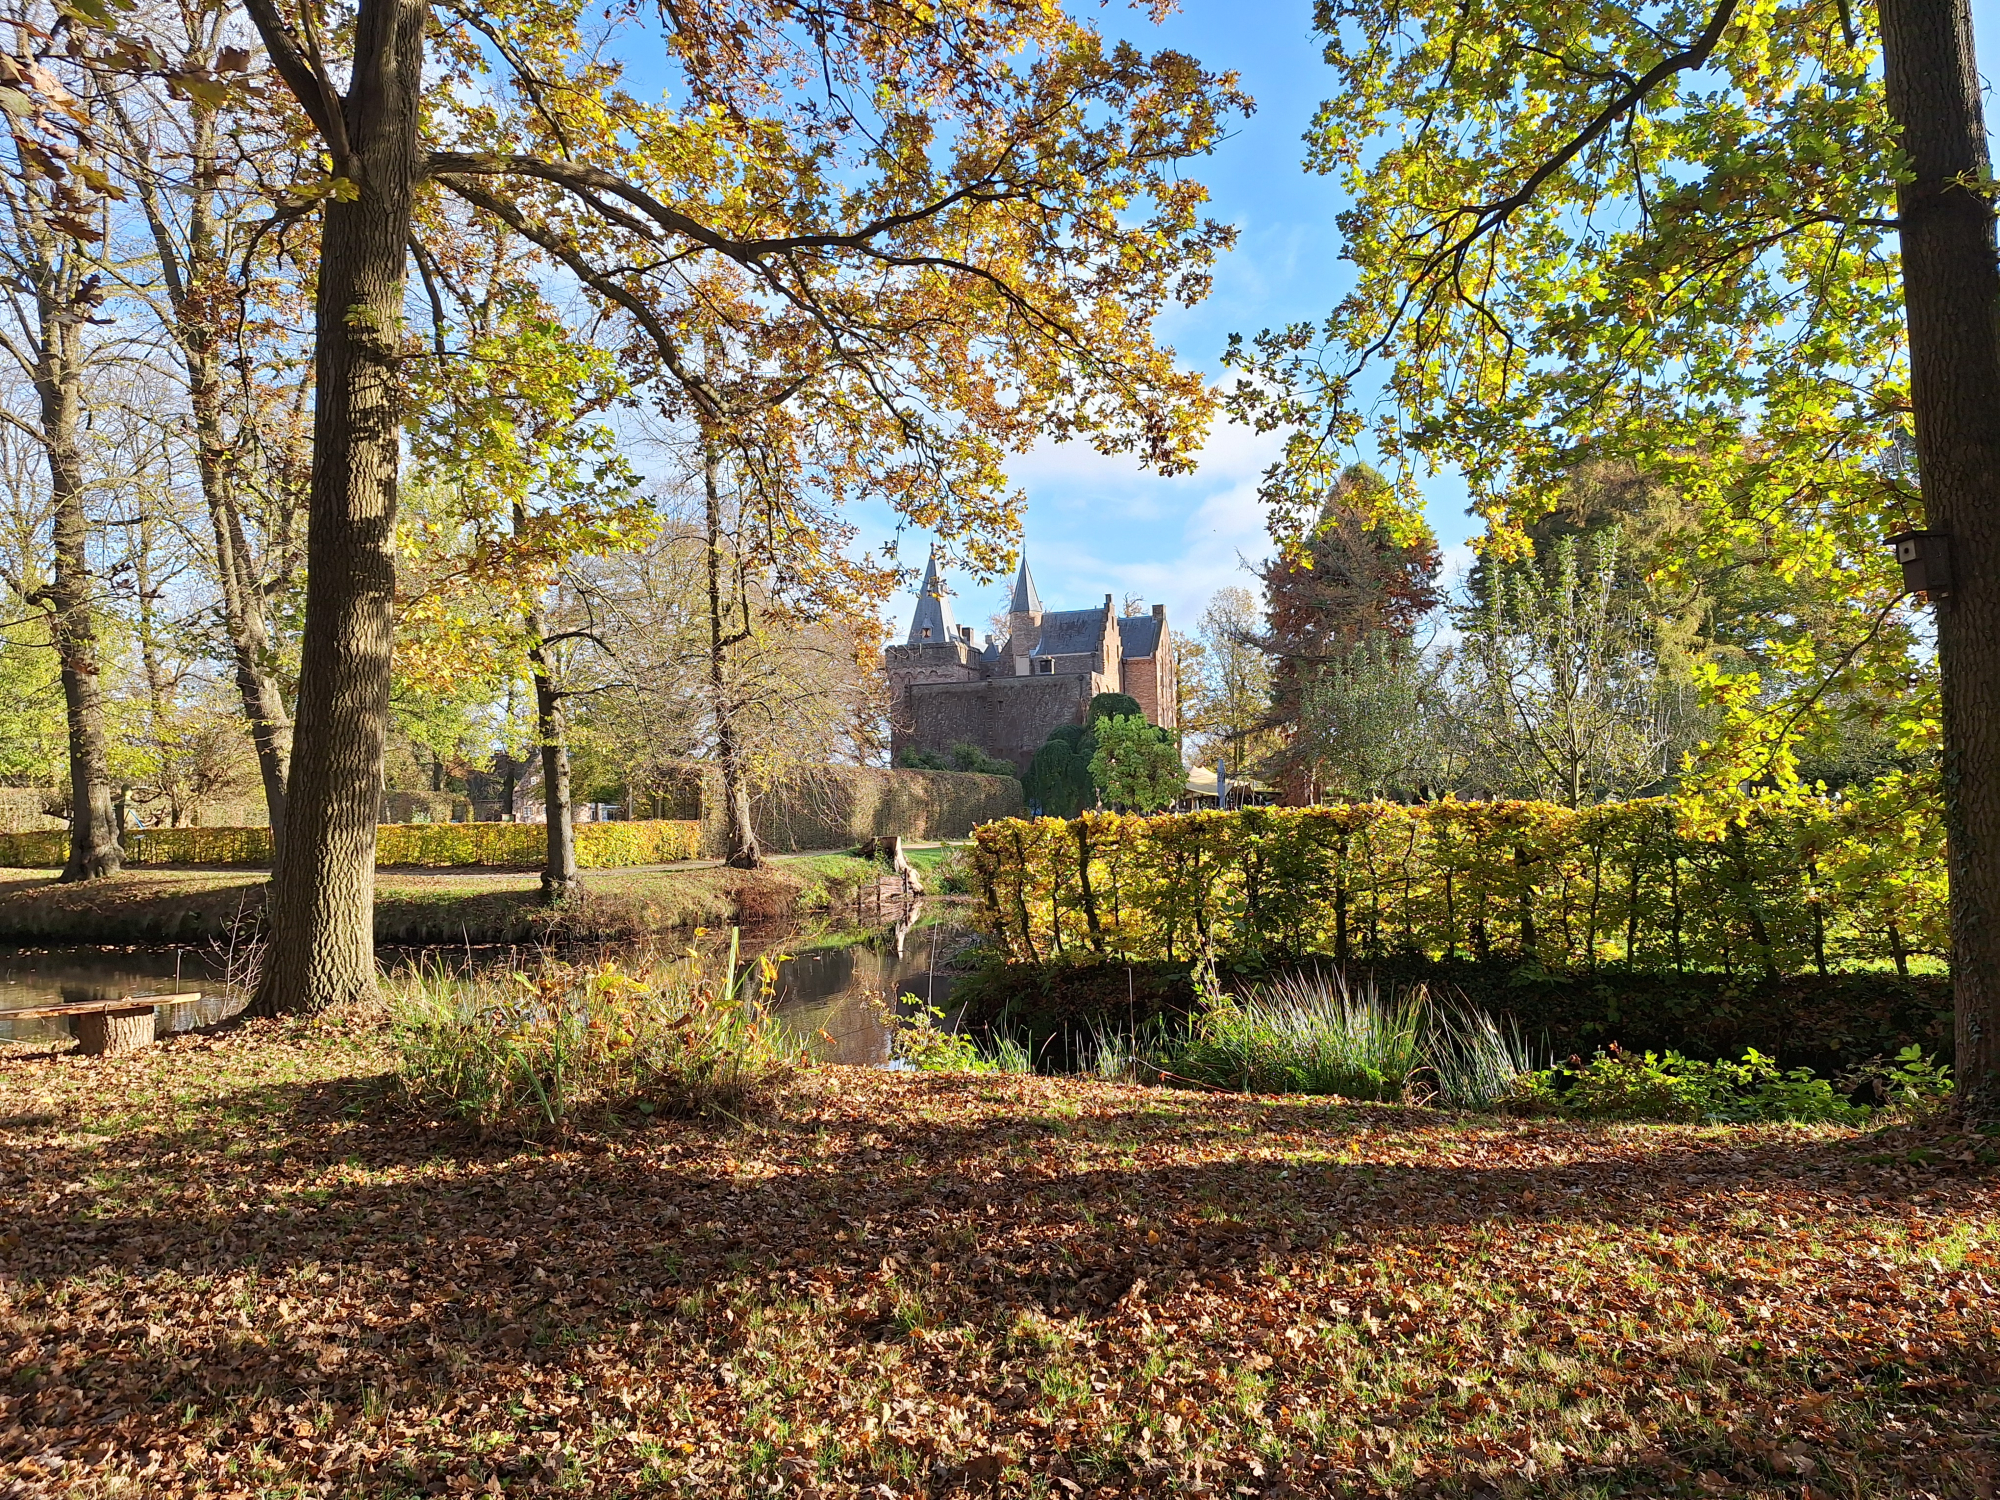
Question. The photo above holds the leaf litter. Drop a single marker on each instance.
(236, 1265)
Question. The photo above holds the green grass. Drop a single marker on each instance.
(530, 1052)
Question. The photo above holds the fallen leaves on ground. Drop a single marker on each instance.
(235, 1265)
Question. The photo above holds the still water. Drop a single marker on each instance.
(829, 993)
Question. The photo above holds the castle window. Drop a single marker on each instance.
(927, 632)
(1045, 665)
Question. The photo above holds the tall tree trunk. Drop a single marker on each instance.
(93, 826)
(242, 600)
(322, 941)
(198, 285)
(560, 881)
(743, 851)
(159, 712)
(1951, 291)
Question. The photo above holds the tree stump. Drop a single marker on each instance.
(114, 1031)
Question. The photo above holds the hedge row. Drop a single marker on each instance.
(1834, 885)
(432, 845)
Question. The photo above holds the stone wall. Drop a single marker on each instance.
(1008, 717)
(836, 807)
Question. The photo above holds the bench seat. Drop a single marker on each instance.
(103, 1026)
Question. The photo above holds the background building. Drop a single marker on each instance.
(1005, 696)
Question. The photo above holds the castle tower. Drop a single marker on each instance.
(1024, 618)
(932, 620)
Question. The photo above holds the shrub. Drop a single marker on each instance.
(423, 845)
(966, 756)
(1057, 781)
(1833, 884)
(529, 1053)
(918, 1038)
(1137, 765)
(1620, 1085)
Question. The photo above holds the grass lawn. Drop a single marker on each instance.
(145, 905)
(235, 1266)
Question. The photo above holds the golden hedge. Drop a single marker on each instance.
(1838, 884)
(424, 845)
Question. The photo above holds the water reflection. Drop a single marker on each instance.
(68, 976)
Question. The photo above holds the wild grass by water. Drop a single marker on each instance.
(529, 1052)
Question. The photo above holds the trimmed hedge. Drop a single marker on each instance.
(422, 845)
(837, 807)
(1830, 886)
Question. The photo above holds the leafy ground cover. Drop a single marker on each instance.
(145, 905)
(238, 1265)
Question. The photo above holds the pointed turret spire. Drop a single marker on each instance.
(1026, 600)
(932, 621)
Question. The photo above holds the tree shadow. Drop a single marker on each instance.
(474, 1260)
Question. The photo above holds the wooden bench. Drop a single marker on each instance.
(106, 1025)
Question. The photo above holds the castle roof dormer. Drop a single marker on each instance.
(932, 621)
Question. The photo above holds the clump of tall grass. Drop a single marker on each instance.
(1475, 1063)
(528, 1053)
(1308, 1033)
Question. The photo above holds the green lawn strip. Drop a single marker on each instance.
(238, 1254)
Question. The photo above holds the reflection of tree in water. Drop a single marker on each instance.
(835, 992)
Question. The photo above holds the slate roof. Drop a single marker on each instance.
(1026, 601)
(933, 612)
(1071, 632)
(1138, 636)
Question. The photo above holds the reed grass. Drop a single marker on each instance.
(1309, 1033)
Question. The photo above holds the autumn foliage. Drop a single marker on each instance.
(1817, 887)
(440, 845)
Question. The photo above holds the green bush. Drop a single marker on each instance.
(1307, 1034)
(529, 1053)
(1619, 1085)
(918, 1038)
(1057, 781)
(1137, 765)
(1114, 706)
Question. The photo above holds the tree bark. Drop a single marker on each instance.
(743, 850)
(198, 288)
(1951, 292)
(560, 881)
(322, 942)
(61, 307)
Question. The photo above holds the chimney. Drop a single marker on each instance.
(965, 634)
(1159, 611)
(1107, 601)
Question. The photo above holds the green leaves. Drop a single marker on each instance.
(1137, 764)
(1555, 267)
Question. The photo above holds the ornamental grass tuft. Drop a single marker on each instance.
(1309, 1033)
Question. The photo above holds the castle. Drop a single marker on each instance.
(1005, 696)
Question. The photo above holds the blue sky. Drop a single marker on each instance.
(1097, 525)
